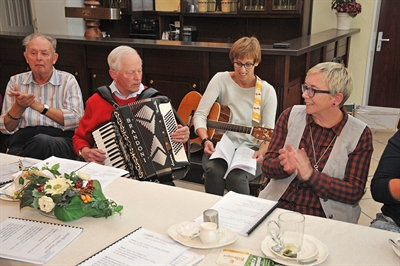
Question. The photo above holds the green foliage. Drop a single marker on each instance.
(68, 205)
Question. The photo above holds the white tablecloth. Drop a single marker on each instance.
(158, 207)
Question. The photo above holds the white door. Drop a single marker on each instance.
(16, 16)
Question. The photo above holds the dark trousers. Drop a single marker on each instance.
(41, 143)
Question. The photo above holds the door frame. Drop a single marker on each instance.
(371, 51)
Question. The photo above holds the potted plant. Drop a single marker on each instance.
(345, 11)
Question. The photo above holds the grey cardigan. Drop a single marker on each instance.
(335, 165)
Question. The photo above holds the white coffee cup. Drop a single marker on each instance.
(288, 232)
(210, 234)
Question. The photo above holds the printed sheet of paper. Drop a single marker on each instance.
(8, 170)
(141, 247)
(105, 174)
(34, 241)
(241, 213)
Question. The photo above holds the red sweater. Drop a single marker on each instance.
(97, 112)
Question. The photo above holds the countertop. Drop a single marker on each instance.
(298, 46)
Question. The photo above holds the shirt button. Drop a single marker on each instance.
(330, 216)
(325, 200)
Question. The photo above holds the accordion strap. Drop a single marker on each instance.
(105, 93)
(149, 93)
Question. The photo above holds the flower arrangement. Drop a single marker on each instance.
(68, 196)
(350, 7)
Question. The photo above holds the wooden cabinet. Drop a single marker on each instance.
(97, 66)
(268, 20)
(173, 73)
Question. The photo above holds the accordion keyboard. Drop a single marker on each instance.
(171, 126)
(104, 138)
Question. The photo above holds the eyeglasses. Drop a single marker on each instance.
(246, 65)
(311, 92)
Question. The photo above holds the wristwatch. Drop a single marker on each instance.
(46, 108)
(204, 141)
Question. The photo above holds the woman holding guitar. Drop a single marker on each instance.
(252, 102)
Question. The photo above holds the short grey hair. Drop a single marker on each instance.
(32, 36)
(114, 58)
(337, 78)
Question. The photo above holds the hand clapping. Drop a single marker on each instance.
(293, 160)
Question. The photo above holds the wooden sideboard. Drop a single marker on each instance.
(176, 68)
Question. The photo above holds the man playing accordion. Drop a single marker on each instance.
(126, 71)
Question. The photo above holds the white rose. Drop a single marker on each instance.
(46, 204)
(83, 175)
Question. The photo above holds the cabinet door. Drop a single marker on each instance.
(270, 6)
(175, 89)
(98, 77)
(8, 69)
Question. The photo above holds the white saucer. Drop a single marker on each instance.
(321, 256)
(9, 190)
(396, 250)
(308, 249)
(189, 230)
(229, 238)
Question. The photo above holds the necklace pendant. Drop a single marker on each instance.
(316, 167)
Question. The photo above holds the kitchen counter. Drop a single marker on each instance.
(298, 46)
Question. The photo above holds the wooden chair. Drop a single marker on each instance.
(258, 184)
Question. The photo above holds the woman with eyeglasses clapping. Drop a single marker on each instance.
(319, 155)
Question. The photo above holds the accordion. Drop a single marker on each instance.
(138, 140)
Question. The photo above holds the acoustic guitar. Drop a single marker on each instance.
(217, 121)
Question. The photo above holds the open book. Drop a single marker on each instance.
(236, 158)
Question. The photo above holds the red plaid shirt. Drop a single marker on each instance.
(303, 196)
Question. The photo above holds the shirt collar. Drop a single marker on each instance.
(116, 92)
(53, 79)
(337, 128)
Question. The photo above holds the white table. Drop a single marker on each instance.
(158, 207)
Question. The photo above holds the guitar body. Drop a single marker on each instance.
(217, 122)
(218, 112)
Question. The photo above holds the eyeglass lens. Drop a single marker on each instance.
(246, 65)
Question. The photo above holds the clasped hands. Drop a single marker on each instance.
(293, 160)
(24, 100)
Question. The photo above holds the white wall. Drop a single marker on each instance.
(49, 17)
(324, 18)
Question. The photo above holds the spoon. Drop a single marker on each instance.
(394, 243)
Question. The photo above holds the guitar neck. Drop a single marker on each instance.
(229, 127)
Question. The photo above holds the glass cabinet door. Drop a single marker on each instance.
(256, 5)
(284, 5)
(272, 6)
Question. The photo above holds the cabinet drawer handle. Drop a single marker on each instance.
(194, 85)
(151, 82)
(94, 76)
